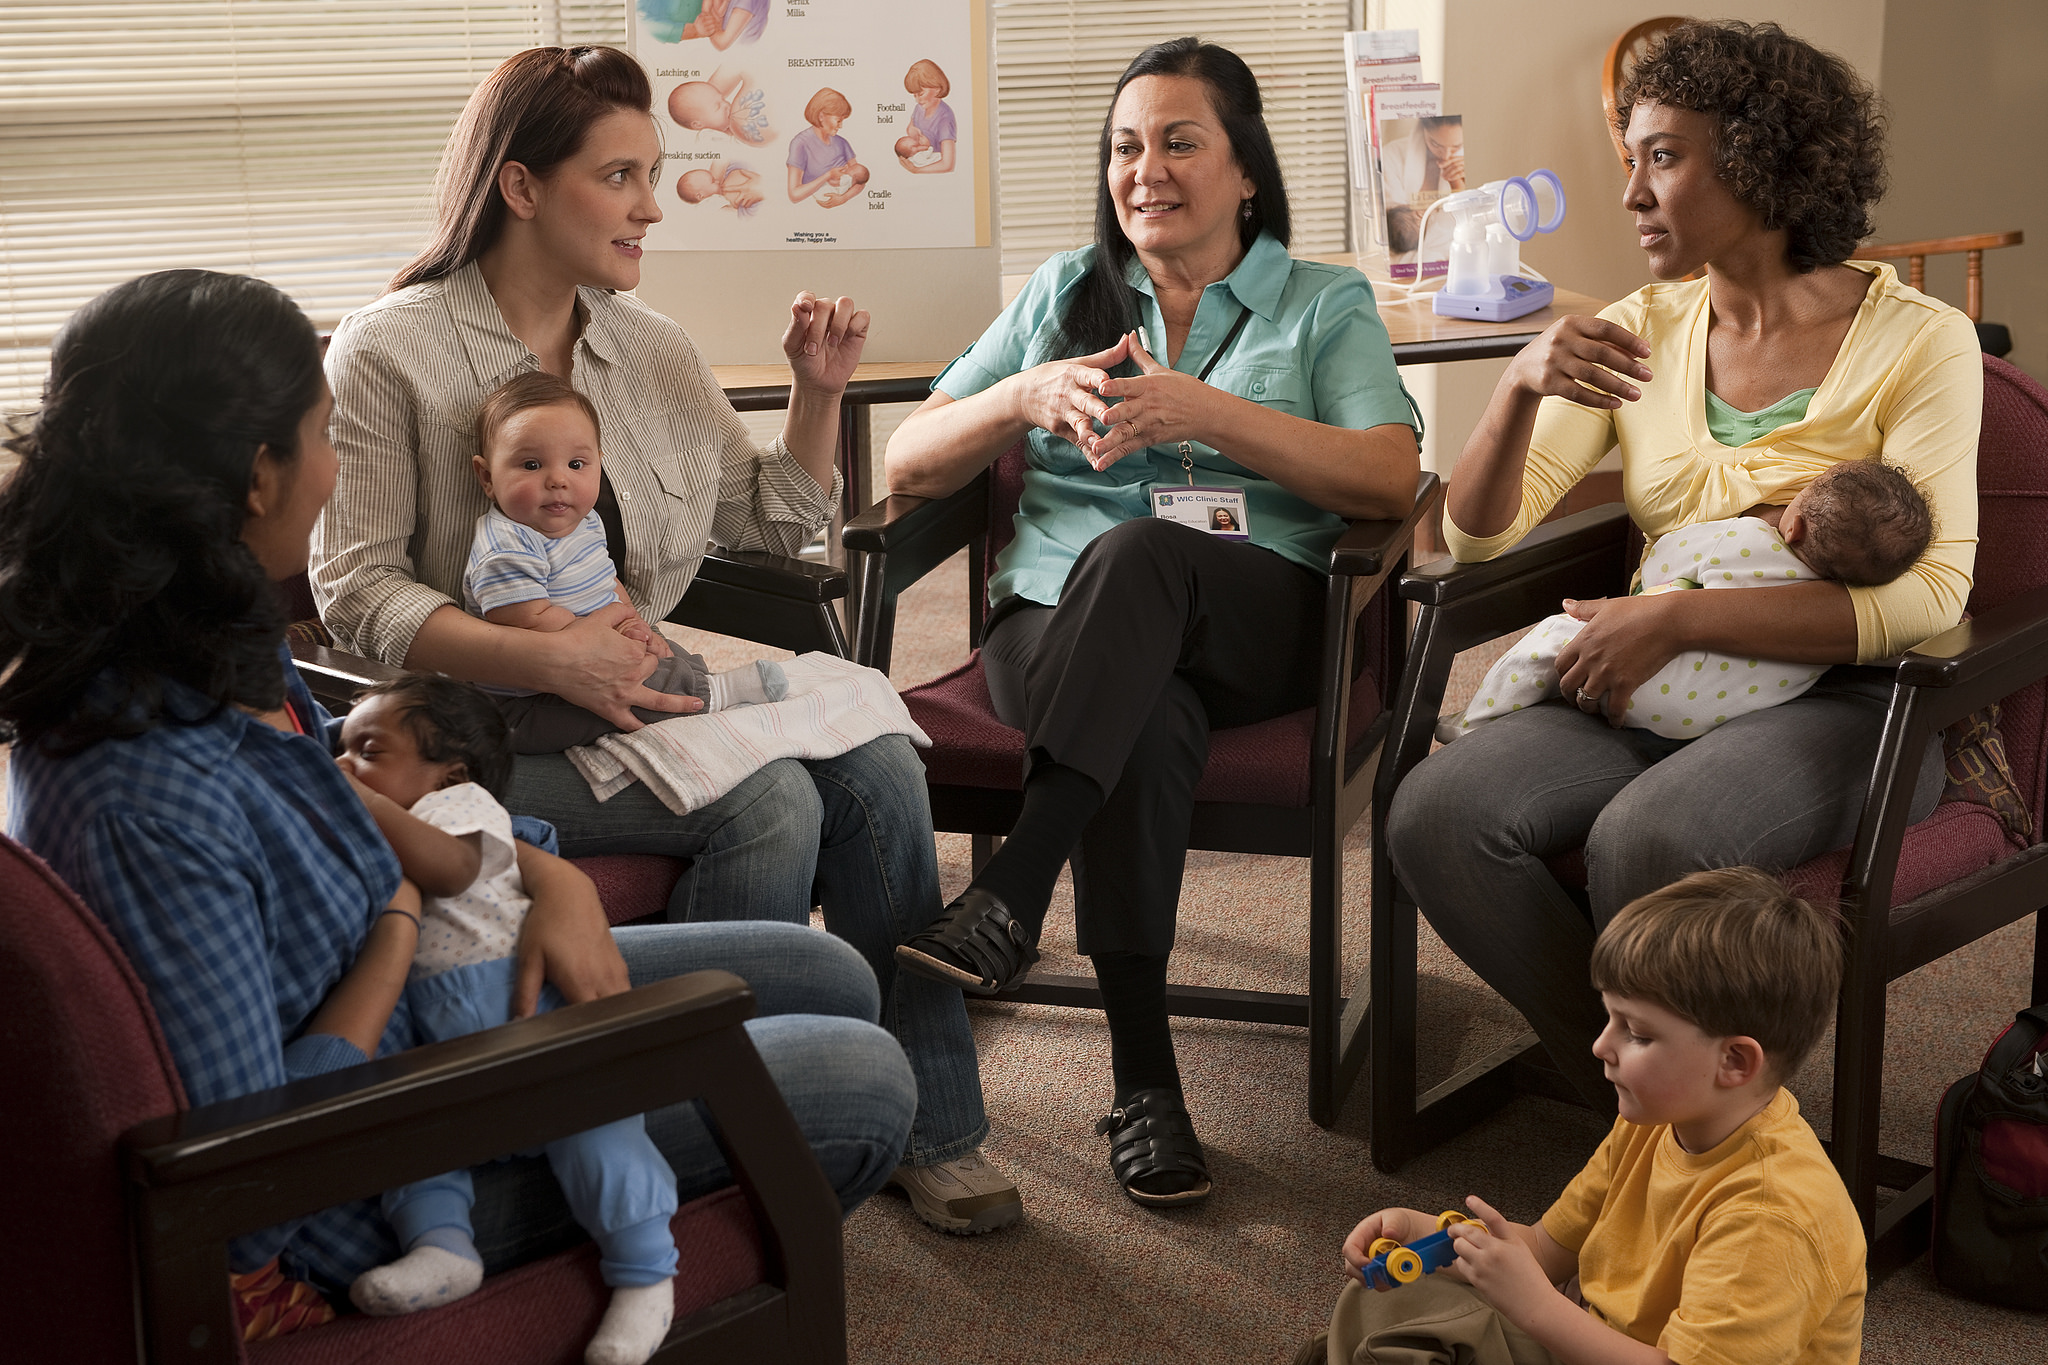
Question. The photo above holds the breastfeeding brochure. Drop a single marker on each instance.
(807, 125)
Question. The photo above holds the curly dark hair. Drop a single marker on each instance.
(453, 722)
(1799, 136)
(121, 554)
(1866, 523)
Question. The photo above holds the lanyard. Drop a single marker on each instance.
(1187, 449)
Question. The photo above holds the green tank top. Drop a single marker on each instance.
(1733, 427)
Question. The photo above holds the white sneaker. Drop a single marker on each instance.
(966, 1195)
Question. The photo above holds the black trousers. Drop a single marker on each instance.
(1162, 632)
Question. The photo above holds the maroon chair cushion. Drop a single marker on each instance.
(633, 886)
(544, 1312)
(1263, 765)
(81, 1062)
(1961, 837)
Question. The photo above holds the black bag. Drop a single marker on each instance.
(1991, 1172)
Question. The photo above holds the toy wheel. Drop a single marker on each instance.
(1448, 1218)
(1383, 1246)
(1404, 1265)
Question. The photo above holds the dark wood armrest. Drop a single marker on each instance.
(919, 534)
(768, 598)
(799, 580)
(1367, 548)
(1983, 659)
(201, 1177)
(1566, 548)
(289, 1151)
(334, 676)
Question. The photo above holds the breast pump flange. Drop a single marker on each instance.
(1485, 280)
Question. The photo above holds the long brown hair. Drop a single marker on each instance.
(535, 109)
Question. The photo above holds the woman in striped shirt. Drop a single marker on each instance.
(546, 191)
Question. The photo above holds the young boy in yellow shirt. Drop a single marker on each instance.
(1710, 1228)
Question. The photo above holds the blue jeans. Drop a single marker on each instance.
(843, 1078)
(617, 1186)
(853, 834)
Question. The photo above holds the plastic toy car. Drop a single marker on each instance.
(1393, 1265)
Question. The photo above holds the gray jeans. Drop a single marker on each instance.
(1472, 824)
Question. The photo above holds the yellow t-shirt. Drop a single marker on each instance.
(1749, 1254)
(1908, 383)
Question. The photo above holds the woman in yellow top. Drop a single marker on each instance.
(1757, 157)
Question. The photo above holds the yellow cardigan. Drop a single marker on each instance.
(1908, 383)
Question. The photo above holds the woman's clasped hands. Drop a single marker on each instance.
(1160, 406)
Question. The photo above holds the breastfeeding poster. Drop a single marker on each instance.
(801, 125)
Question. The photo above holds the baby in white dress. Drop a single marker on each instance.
(1860, 523)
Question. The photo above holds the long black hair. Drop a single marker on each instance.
(120, 531)
(1101, 308)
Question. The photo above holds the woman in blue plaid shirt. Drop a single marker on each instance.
(171, 767)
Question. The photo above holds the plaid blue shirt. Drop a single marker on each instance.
(240, 874)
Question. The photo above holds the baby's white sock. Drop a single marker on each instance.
(425, 1277)
(634, 1324)
(749, 685)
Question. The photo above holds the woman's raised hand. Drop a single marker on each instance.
(823, 342)
(604, 671)
(1064, 396)
(1159, 406)
(1577, 352)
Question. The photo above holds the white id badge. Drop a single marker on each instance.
(1219, 511)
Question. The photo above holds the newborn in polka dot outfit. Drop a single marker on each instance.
(1860, 523)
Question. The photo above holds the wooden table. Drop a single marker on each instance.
(1420, 337)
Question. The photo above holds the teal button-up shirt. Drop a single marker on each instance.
(1314, 346)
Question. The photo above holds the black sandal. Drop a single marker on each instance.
(1151, 1134)
(975, 944)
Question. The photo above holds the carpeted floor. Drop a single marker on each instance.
(1091, 1277)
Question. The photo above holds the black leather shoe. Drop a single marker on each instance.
(1150, 1134)
(975, 944)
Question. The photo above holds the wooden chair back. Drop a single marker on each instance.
(1621, 55)
(1972, 246)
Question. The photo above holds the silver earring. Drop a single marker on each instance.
(1245, 212)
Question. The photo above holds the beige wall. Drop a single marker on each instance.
(1527, 79)
(1967, 86)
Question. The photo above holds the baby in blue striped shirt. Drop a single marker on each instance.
(539, 561)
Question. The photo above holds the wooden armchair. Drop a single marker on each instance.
(122, 1201)
(1294, 785)
(1910, 895)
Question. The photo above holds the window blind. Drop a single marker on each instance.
(295, 140)
(1057, 62)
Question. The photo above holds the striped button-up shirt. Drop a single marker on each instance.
(409, 373)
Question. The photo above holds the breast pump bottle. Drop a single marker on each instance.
(1485, 279)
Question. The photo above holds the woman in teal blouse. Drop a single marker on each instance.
(1184, 348)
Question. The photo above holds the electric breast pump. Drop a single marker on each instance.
(1485, 280)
